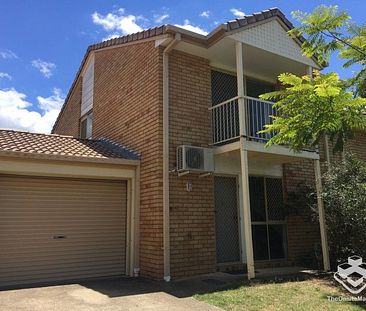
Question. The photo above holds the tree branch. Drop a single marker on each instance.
(332, 35)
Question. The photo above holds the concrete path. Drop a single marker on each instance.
(112, 295)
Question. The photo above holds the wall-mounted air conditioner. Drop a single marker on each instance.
(190, 158)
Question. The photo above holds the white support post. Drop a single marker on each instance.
(247, 223)
(322, 223)
(166, 213)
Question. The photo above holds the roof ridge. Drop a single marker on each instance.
(134, 36)
(257, 17)
(35, 133)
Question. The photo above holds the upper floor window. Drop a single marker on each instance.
(224, 87)
(86, 126)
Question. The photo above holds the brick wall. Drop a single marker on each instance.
(302, 229)
(68, 123)
(127, 108)
(357, 145)
(192, 224)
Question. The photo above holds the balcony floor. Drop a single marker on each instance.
(258, 150)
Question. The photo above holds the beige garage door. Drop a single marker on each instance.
(58, 229)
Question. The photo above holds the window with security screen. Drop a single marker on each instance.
(269, 228)
(225, 118)
(223, 87)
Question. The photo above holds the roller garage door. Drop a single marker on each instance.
(61, 229)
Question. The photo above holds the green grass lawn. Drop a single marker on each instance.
(292, 295)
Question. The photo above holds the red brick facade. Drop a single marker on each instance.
(127, 108)
(69, 119)
(192, 225)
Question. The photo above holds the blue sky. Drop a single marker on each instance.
(42, 42)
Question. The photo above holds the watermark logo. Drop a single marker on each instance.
(352, 275)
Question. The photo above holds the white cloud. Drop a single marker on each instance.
(117, 22)
(187, 25)
(237, 12)
(7, 54)
(4, 75)
(45, 68)
(160, 18)
(205, 14)
(111, 36)
(17, 113)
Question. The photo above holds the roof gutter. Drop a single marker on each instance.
(55, 157)
(166, 216)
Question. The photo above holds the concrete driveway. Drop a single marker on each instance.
(116, 294)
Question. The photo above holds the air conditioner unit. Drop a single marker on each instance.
(190, 158)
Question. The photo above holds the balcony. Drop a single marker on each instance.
(226, 120)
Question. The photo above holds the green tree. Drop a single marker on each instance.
(308, 108)
(326, 31)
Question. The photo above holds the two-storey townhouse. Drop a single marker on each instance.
(203, 193)
(166, 87)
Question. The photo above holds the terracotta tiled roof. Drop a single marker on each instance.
(257, 17)
(59, 145)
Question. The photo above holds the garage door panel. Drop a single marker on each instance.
(64, 264)
(20, 256)
(23, 248)
(91, 214)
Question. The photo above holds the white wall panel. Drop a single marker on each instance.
(272, 37)
(87, 88)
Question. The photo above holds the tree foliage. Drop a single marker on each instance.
(344, 195)
(327, 30)
(310, 108)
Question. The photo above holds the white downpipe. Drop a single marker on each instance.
(166, 216)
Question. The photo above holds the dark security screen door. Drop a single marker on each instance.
(226, 215)
(268, 218)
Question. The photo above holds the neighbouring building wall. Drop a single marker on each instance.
(357, 145)
(68, 123)
(303, 227)
(303, 230)
(192, 221)
(127, 108)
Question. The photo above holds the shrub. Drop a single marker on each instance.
(344, 195)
